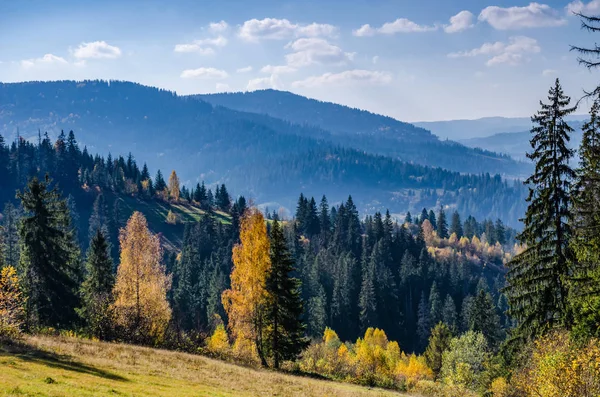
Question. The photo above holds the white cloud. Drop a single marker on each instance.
(222, 87)
(375, 59)
(265, 82)
(48, 59)
(549, 72)
(280, 29)
(346, 77)
(202, 46)
(459, 22)
(579, 6)
(96, 50)
(513, 53)
(400, 25)
(194, 48)
(534, 15)
(218, 27)
(278, 69)
(244, 70)
(309, 51)
(204, 73)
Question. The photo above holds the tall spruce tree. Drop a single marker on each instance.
(586, 240)
(435, 304)
(536, 280)
(48, 252)
(456, 225)
(442, 224)
(96, 289)
(285, 330)
(367, 300)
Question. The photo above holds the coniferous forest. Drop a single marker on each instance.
(438, 303)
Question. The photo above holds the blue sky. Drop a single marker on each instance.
(412, 60)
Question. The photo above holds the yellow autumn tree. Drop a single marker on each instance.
(174, 186)
(11, 303)
(141, 309)
(171, 218)
(244, 301)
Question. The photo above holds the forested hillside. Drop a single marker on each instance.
(254, 154)
(369, 132)
(336, 251)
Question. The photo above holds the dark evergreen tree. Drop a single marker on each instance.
(159, 182)
(500, 232)
(585, 291)
(482, 317)
(435, 304)
(442, 224)
(536, 280)
(432, 219)
(367, 301)
(449, 315)
(423, 321)
(96, 289)
(456, 225)
(285, 331)
(408, 218)
(48, 257)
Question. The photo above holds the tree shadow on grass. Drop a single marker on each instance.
(31, 354)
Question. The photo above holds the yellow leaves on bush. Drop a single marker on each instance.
(556, 367)
(414, 369)
(11, 303)
(141, 308)
(372, 360)
(218, 343)
(501, 388)
(330, 337)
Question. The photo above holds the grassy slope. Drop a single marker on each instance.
(155, 212)
(60, 366)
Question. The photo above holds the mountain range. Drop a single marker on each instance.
(462, 130)
(271, 145)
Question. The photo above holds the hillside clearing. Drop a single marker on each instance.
(61, 366)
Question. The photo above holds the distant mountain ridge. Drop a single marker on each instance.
(368, 131)
(516, 144)
(338, 119)
(460, 130)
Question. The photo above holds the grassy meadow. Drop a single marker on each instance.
(63, 366)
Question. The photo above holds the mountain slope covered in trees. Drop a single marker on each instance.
(367, 131)
(264, 158)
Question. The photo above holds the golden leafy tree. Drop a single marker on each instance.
(141, 308)
(245, 301)
(11, 302)
(171, 218)
(174, 186)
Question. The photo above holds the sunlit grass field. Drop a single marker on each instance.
(62, 366)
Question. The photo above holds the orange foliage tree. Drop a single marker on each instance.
(245, 301)
(174, 186)
(141, 309)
